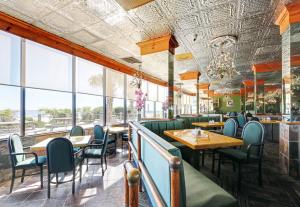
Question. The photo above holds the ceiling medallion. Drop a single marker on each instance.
(222, 66)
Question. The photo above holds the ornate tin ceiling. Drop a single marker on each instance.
(105, 27)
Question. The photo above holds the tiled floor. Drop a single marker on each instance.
(94, 190)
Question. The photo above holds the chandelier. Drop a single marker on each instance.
(137, 78)
(222, 66)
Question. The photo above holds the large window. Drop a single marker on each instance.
(89, 110)
(89, 77)
(149, 109)
(48, 68)
(114, 111)
(10, 58)
(47, 111)
(132, 113)
(9, 110)
(159, 110)
(152, 92)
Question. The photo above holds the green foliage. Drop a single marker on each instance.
(118, 110)
(57, 113)
(6, 115)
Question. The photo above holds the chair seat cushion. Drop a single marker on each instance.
(93, 153)
(30, 162)
(235, 154)
(203, 192)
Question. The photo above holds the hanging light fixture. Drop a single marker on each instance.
(222, 66)
(137, 78)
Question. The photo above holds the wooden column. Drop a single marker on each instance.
(165, 48)
(289, 143)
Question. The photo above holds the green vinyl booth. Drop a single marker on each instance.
(195, 189)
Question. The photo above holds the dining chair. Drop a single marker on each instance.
(230, 130)
(20, 161)
(124, 139)
(97, 151)
(61, 159)
(251, 151)
(77, 131)
(98, 134)
(242, 120)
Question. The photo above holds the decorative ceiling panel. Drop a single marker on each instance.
(105, 27)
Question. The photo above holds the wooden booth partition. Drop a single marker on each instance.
(174, 163)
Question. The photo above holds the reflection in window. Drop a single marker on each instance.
(132, 113)
(114, 83)
(89, 77)
(159, 110)
(9, 110)
(114, 111)
(44, 65)
(10, 47)
(149, 109)
(47, 111)
(89, 110)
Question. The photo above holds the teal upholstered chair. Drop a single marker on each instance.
(241, 118)
(98, 134)
(97, 151)
(230, 130)
(251, 151)
(61, 159)
(77, 131)
(19, 161)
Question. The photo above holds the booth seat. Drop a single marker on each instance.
(156, 155)
(187, 121)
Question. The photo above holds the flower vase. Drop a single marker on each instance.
(139, 118)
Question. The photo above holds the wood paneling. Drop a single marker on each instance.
(184, 56)
(190, 75)
(288, 15)
(203, 86)
(28, 31)
(250, 83)
(267, 67)
(167, 42)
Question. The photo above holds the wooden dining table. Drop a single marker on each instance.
(208, 124)
(207, 140)
(77, 141)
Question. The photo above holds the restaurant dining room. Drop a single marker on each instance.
(141, 103)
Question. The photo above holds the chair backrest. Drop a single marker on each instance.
(98, 132)
(60, 156)
(105, 142)
(233, 113)
(77, 131)
(241, 120)
(255, 119)
(253, 133)
(230, 128)
(15, 146)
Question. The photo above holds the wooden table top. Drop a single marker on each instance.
(271, 121)
(207, 124)
(117, 129)
(77, 141)
(208, 141)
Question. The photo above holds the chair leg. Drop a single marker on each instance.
(41, 168)
(213, 162)
(87, 164)
(23, 175)
(260, 174)
(80, 171)
(239, 175)
(203, 157)
(12, 180)
(49, 180)
(219, 164)
(102, 166)
(105, 161)
(73, 182)
(56, 178)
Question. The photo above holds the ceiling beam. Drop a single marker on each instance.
(164, 43)
(184, 56)
(289, 14)
(190, 75)
(267, 67)
(129, 4)
(250, 83)
(203, 86)
(20, 28)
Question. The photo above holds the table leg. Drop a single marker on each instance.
(196, 159)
